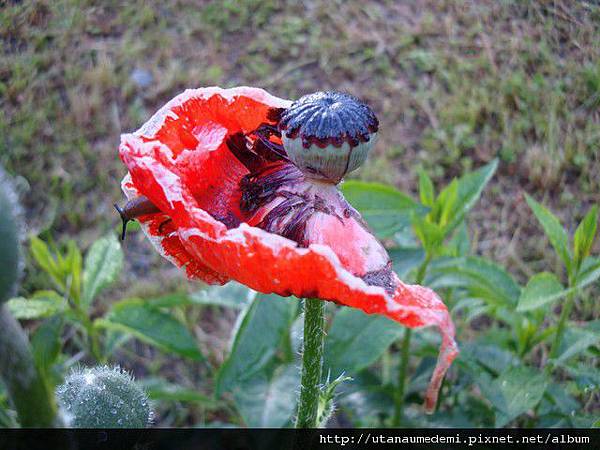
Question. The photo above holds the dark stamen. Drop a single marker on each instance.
(238, 146)
(382, 278)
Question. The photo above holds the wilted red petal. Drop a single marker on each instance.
(179, 160)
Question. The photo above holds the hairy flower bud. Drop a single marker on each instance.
(328, 134)
(103, 397)
(10, 260)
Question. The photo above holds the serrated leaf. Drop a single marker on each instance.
(430, 234)
(71, 267)
(577, 340)
(356, 340)
(41, 254)
(151, 325)
(514, 392)
(541, 289)
(491, 357)
(406, 259)
(266, 400)
(257, 338)
(171, 300)
(103, 264)
(45, 342)
(426, 190)
(366, 400)
(42, 304)
(481, 278)
(553, 230)
(385, 209)
(469, 189)
(232, 295)
(589, 272)
(544, 282)
(447, 202)
(160, 389)
(585, 235)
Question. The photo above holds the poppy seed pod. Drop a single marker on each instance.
(328, 134)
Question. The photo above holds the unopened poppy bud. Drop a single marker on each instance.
(328, 134)
(103, 397)
(10, 255)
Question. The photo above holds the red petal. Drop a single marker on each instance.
(176, 161)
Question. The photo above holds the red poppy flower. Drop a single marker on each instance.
(216, 194)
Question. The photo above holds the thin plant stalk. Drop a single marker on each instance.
(560, 328)
(312, 363)
(29, 392)
(405, 354)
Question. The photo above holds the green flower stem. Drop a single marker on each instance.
(31, 395)
(312, 363)
(405, 354)
(560, 328)
(94, 348)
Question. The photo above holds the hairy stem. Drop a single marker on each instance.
(312, 363)
(29, 392)
(405, 354)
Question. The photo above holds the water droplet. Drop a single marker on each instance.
(113, 411)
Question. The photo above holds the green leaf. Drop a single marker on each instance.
(544, 288)
(103, 264)
(232, 295)
(151, 325)
(478, 355)
(171, 300)
(469, 189)
(71, 268)
(406, 259)
(257, 338)
(589, 272)
(426, 190)
(553, 229)
(42, 304)
(268, 401)
(160, 389)
(446, 205)
(541, 289)
(385, 209)
(481, 278)
(45, 342)
(460, 244)
(429, 234)
(356, 340)
(365, 400)
(514, 392)
(41, 254)
(577, 340)
(584, 235)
